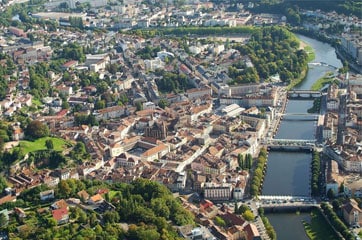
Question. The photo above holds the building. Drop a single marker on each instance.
(333, 180)
(47, 195)
(61, 215)
(352, 214)
(156, 152)
(217, 193)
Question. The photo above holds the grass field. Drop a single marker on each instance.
(318, 228)
(326, 79)
(39, 144)
(310, 51)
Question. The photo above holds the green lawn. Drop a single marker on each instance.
(310, 51)
(318, 228)
(37, 102)
(326, 79)
(39, 144)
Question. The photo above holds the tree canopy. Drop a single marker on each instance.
(147, 207)
(36, 129)
(272, 50)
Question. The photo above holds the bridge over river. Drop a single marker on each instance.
(298, 116)
(303, 94)
(291, 144)
(322, 64)
(274, 201)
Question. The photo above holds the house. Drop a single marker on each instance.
(70, 64)
(352, 214)
(232, 219)
(252, 232)
(189, 233)
(110, 112)
(116, 149)
(61, 215)
(20, 212)
(65, 90)
(47, 195)
(236, 232)
(17, 134)
(155, 153)
(60, 204)
(96, 199)
(7, 198)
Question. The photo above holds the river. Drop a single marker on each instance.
(323, 53)
(288, 173)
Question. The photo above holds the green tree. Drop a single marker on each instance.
(100, 104)
(241, 161)
(341, 188)
(65, 105)
(49, 144)
(64, 189)
(159, 206)
(248, 215)
(3, 184)
(37, 129)
(139, 106)
(243, 208)
(219, 221)
(111, 217)
(82, 217)
(331, 194)
(51, 222)
(163, 103)
(3, 220)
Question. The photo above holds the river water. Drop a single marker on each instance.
(288, 173)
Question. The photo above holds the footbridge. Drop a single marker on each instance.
(304, 94)
(322, 64)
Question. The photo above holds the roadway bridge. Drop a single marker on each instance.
(270, 201)
(299, 117)
(304, 94)
(283, 197)
(297, 114)
(291, 144)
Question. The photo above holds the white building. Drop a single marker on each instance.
(153, 64)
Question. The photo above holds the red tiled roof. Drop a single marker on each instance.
(70, 63)
(62, 112)
(59, 214)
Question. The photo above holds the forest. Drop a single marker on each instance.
(147, 208)
(272, 50)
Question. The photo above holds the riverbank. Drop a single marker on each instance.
(289, 173)
(328, 78)
(311, 56)
(299, 80)
(318, 228)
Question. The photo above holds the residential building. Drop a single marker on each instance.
(352, 214)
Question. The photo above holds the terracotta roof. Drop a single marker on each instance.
(70, 63)
(96, 198)
(83, 194)
(59, 214)
(154, 150)
(61, 204)
(351, 206)
(7, 198)
(251, 231)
